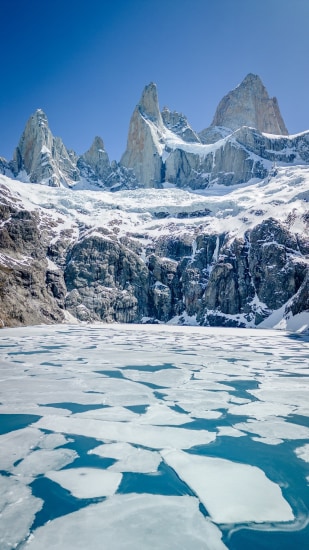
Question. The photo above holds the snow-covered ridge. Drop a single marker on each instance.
(238, 207)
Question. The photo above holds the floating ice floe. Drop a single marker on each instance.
(303, 452)
(231, 492)
(87, 482)
(261, 410)
(17, 511)
(129, 459)
(154, 437)
(41, 461)
(18, 444)
(131, 522)
(160, 414)
(273, 430)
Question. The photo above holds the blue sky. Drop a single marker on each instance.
(86, 62)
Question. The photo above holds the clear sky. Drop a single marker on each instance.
(86, 62)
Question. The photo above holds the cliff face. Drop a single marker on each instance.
(231, 264)
(32, 290)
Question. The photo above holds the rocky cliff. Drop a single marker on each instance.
(156, 255)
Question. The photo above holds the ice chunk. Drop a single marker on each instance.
(261, 410)
(131, 522)
(231, 492)
(41, 461)
(87, 482)
(160, 414)
(229, 431)
(51, 441)
(273, 430)
(130, 459)
(303, 452)
(17, 511)
(154, 437)
(18, 445)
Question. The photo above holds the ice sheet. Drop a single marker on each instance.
(87, 482)
(131, 522)
(231, 492)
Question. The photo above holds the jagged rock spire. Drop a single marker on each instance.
(179, 125)
(250, 105)
(144, 148)
(149, 104)
(43, 157)
(97, 159)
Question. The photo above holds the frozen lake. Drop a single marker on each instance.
(140, 437)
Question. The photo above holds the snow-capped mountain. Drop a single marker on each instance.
(208, 228)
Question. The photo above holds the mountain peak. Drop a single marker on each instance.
(39, 118)
(250, 105)
(41, 155)
(97, 159)
(149, 103)
(251, 77)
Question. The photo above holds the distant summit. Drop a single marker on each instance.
(144, 146)
(247, 136)
(42, 156)
(250, 105)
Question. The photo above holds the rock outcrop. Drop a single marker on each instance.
(106, 281)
